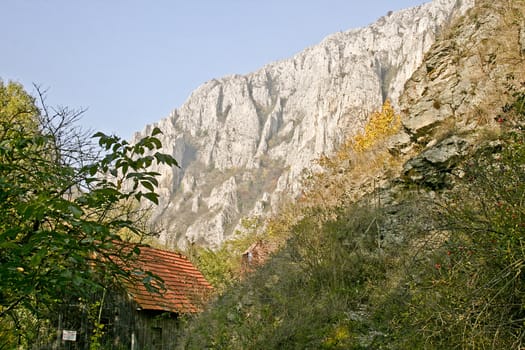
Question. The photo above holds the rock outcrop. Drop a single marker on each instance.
(463, 76)
(243, 141)
(432, 168)
(454, 100)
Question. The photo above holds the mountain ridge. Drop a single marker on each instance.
(243, 141)
(414, 243)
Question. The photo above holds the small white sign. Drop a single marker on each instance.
(69, 335)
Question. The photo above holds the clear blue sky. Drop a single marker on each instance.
(131, 62)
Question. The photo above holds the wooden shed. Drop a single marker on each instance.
(184, 290)
(134, 315)
(256, 255)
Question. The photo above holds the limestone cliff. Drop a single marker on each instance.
(243, 141)
(458, 92)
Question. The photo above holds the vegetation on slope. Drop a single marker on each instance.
(314, 292)
(419, 270)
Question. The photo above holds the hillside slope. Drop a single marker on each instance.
(431, 254)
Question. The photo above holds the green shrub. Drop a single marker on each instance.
(303, 296)
(470, 291)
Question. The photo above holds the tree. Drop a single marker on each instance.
(381, 124)
(59, 207)
(17, 107)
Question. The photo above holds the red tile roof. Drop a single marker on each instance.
(183, 290)
(256, 255)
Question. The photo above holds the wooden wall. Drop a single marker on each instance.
(126, 326)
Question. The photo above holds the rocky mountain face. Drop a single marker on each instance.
(243, 141)
(456, 95)
(453, 106)
(420, 246)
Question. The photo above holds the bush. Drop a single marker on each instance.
(303, 296)
(381, 124)
(450, 275)
(470, 291)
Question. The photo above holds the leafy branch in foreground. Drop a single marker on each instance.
(60, 208)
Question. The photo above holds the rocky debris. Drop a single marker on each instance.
(464, 75)
(272, 123)
(458, 90)
(432, 167)
(399, 144)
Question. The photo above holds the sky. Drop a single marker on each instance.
(131, 62)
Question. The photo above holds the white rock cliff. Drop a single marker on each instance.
(243, 141)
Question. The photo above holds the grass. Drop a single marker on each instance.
(423, 270)
(369, 264)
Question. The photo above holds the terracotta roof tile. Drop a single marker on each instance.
(183, 290)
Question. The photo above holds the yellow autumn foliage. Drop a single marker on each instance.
(382, 124)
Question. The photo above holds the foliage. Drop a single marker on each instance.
(17, 108)
(222, 267)
(473, 291)
(94, 312)
(302, 297)
(380, 125)
(421, 271)
(462, 284)
(354, 163)
(57, 208)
